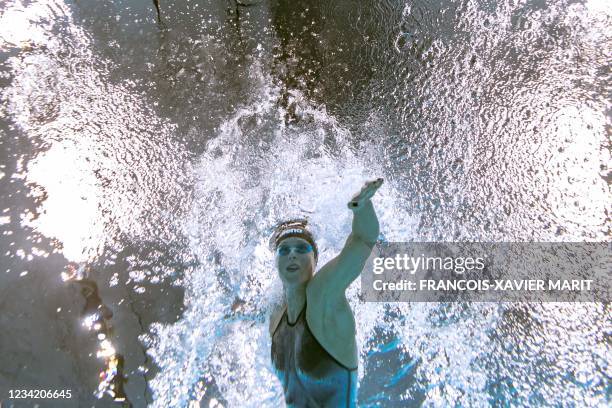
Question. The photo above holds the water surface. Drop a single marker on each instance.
(154, 161)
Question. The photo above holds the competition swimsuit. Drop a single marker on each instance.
(311, 377)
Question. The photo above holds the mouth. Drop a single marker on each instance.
(293, 268)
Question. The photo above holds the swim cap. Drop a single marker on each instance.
(293, 228)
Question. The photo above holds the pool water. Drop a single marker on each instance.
(154, 161)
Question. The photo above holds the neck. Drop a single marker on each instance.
(295, 297)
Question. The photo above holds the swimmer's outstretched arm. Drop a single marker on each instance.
(335, 276)
(365, 222)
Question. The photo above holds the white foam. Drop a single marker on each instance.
(248, 180)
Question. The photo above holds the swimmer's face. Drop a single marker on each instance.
(295, 260)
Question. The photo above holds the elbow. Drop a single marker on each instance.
(369, 239)
(371, 242)
(372, 234)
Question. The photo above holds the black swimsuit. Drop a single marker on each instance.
(311, 377)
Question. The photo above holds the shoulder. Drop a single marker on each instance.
(337, 274)
(333, 325)
(275, 318)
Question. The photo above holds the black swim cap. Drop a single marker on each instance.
(293, 228)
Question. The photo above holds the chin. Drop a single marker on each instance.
(295, 277)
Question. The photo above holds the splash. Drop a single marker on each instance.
(240, 196)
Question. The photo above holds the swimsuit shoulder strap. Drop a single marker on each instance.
(276, 318)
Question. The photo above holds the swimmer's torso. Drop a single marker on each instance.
(311, 377)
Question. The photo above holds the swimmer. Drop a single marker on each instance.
(314, 352)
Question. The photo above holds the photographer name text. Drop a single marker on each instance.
(485, 285)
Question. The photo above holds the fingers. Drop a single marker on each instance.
(371, 186)
(366, 192)
(375, 183)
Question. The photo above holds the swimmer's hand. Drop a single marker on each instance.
(367, 192)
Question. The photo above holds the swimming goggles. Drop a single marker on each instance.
(284, 250)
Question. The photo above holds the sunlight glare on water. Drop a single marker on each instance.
(162, 159)
(105, 156)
